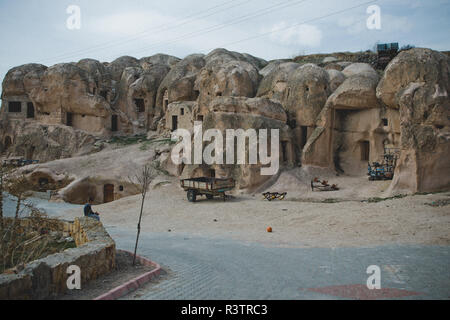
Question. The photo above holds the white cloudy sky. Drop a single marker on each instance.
(36, 30)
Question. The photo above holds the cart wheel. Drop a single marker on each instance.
(209, 196)
(191, 195)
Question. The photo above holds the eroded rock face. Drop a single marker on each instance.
(23, 79)
(159, 59)
(307, 92)
(45, 142)
(252, 106)
(221, 56)
(417, 82)
(353, 128)
(116, 68)
(136, 97)
(178, 85)
(325, 115)
(227, 73)
(233, 78)
(244, 113)
(272, 65)
(356, 92)
(66, 87)
(336, 78)
(359, 69)
(274, 83)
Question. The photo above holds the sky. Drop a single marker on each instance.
(46, 31)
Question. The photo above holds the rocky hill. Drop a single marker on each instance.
(332, 111)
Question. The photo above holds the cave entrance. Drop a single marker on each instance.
(304, 139)
(114, 126)
(30, 110)
(174, 123)
(43, 184)
(69, 119)
(365, 150)
(108, 193)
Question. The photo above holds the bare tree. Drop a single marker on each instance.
(143, 178)
(17, 186)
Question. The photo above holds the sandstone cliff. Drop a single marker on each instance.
(336, 113)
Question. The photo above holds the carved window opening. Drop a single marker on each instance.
(15, 106)
(140, 105)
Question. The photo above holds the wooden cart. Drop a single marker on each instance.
(210, 187)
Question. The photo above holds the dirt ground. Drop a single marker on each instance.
(124, 272)
(343, 218)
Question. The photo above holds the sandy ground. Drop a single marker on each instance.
(303, 219)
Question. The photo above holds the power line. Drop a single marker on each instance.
(231, 22)
(137, 36)
(300, 23)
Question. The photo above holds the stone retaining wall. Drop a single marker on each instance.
(46, 278)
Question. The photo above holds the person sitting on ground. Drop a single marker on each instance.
(89, 213)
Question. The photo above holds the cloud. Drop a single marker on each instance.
(288, 34)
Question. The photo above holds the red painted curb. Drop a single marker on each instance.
(133, 284)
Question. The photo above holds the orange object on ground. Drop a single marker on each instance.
(269, 229)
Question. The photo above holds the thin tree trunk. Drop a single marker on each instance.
(138, 229)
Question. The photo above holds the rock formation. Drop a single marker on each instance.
(334, 114)
(417, 83)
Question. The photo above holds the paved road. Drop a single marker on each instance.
(53, 209)
(205, 268)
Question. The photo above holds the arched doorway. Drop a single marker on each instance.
(30, 110)
(114, 123)
(108, 193)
